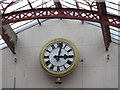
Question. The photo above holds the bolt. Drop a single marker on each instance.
(82, 60)
(15, 60)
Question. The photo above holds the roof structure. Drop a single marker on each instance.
(23, 14)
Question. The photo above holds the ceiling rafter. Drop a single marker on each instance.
(77, 5)
(105, 28)
(57, 4)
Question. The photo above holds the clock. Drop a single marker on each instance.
(59, 57)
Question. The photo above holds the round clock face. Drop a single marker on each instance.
(59, 57)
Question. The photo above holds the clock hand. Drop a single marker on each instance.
(65, 56)
(61, 44)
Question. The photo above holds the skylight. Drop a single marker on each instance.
(112, 7)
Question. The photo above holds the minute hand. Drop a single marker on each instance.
(61, 44)
(60, 50)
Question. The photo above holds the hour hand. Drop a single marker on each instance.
(60, 45)
(65, 56)
(56, 57)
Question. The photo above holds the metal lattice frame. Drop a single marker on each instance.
(67, 13)
(99, 16)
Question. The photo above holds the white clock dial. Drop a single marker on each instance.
(59, 56)
(61, 61)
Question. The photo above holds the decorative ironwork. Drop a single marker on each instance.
(67, 13)
(99, 16)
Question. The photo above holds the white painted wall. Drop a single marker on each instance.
(95, 72)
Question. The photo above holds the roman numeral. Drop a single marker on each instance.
(70, 56)
(65, 67)
(69, 62)
(69, 50)
(48, 62)
(48, 51)
(52, 67)
(65, 45)
(58, 68)
(46, 56)
(60, 44)
(52, 46)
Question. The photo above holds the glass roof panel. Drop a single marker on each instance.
(19, 24)
(69, 3)
(112, 7)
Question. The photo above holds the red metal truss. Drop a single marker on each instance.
(105, 28)
(7, 40)
(57, 4)
(67, 13)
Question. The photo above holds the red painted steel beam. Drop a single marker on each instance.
(7, 41)
(105, 28)
(57, 4)
(42, 13)
(65, 13)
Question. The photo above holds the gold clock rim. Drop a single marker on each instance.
(66, 72)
